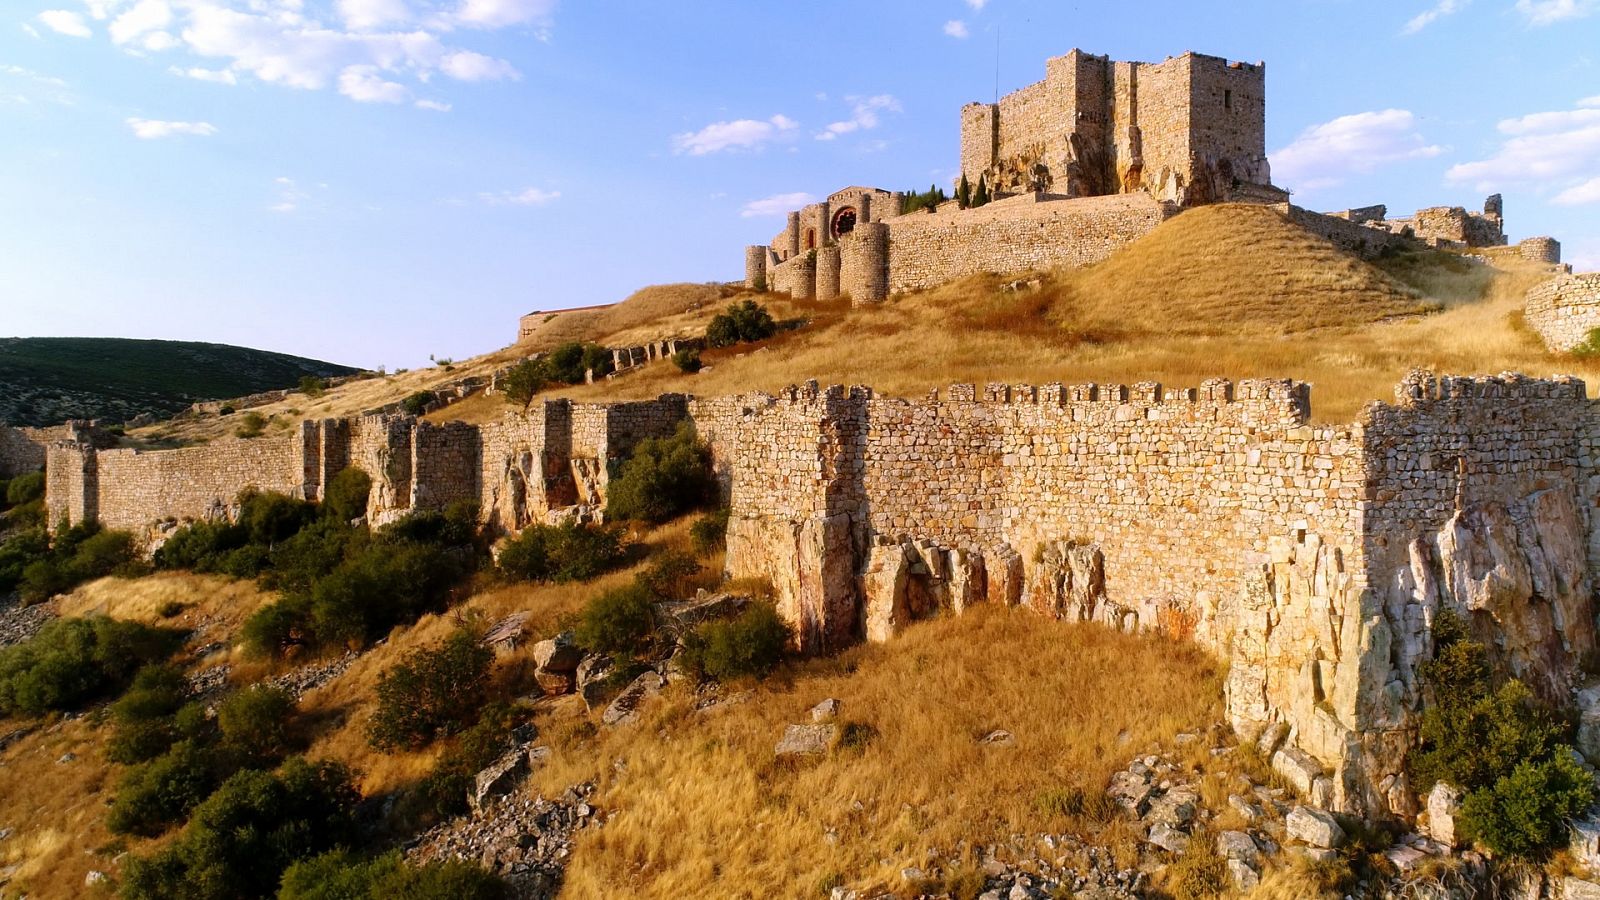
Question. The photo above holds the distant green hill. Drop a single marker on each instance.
(45, 381)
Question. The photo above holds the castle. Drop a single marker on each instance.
(1314, 558)
(1082, 164)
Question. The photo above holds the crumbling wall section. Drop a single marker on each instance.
(1564, 310)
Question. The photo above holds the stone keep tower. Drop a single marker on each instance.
(1191, 130)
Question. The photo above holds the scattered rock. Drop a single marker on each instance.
(305, 679)
(1578, 889)
(506, 634)
(558, 654)
(1238, 845)
(1251, 812)
(999, 738)
(1245, 876)
(525, 841)
(94, 877)
(1314, 827)
(504, 774)
(66, 758)
(826, 711)
(591, 679)
(626, 707)
(1168, 838)
(807, 740)
(1444, 805)
(18, 623)
(703, 608)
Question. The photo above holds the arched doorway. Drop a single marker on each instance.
(844, 221)
(811, 239)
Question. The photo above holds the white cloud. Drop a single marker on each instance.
(63, 21)
(290, 195)
(1590, 102)
(1555, 149)
(1548, 12)
(1579, 194)
(740, 134)
(977, 5)
(776, 205)
(529, 197)
(145, 18)
(215, 76)
(503, 13)
(365, 15)
(864, 115)
(367, 49)
(1324, 155)
(465, 65)
(365, 84)
(957, 29)
(1438, 11)
(433, 105)
(153, 129)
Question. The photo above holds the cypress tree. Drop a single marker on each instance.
(982, 196)
(964, 192)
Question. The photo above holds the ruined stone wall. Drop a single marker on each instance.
(22, 450)
(828, 264)
(1448, 225)
(1350, 234)
(864, 263)
(446, 465)
(1015, 235)
(1564, 310)
(1541, 249)
(796, 277)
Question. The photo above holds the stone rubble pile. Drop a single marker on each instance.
(303, 680)
(527, 841)
(18, 623)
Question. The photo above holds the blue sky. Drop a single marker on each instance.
(375, 181)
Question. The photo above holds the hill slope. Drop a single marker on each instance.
(46, 381)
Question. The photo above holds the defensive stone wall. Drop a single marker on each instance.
(1358, 231)
(1564, 310)
(22, 450)
(1017, 234)
(1541, 249)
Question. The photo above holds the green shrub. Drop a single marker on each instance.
(750, 645)
(25, 489)
(709, 532)
(269, 517)
(315, 551)
(687, 361)
(312, 386)
(670, 575)
(417, 404)
(432, 692)
(199, 545)
(346, 496)
(562, 553)
(621, 620)
(71, 661)
(143, 718)
(1526, 812)
(382, 586)
(1590, 345)
(664, 478)
(161, 792)
(444, 792)
(342, 876)
(242, 838)
(743, 322)
(255, 722)
(77, 554)
(523, 381)
(278, 626)
(1497, 744)
(251, 424)
(20, 550)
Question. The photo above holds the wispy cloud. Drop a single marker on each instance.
(1438, 11)
(1549, 12)
(366, 84)
(957, 29)
(64, 21)
(1559, 149)
(529, 197)
(155, 129)
(776, 205)
(434, 106)
(290, 195)
(740, 134)
(198, 73)
(977, 5)
(1324, 155)
(864, 115)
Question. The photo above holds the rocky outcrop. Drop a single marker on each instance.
(526, 841)
(811, 564)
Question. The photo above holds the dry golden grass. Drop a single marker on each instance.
(699, 807)
(1220, 291)
(651, 313)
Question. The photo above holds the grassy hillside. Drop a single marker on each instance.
(50, 380)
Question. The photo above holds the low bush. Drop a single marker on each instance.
(25, 489)
(742, 322)
(345, 498)
(687, 361)
(621, 620)
(77, 554)
(144, 719)
(664, 478)
(750, 645)
(444, 792)
(277, 627)
(161, 792)
(569, 363)
(243, 837)
(709, 533)
(562, 553)
(20, 550)
(342, 876)
(312, 386)
(670, 575)
(72, 661)
(255, 722)
(417, 404)
(1498, 745)
(251, 424)
(432, 692)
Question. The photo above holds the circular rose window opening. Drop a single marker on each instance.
(844, 221)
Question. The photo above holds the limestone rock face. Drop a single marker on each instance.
(625, 708)
(885, 586)
(812, 567)
(1444, 805)
(1313, 826)
(558, 654)
(1069, 581)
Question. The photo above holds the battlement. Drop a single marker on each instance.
(1422, 387)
